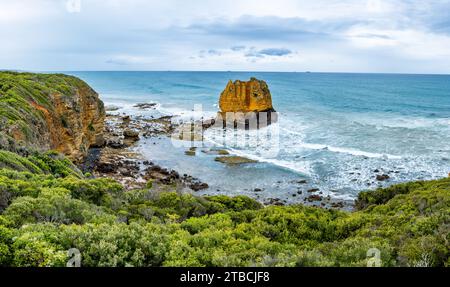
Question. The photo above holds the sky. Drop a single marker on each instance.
(379, 36)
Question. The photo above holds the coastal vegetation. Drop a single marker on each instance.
(49, 206)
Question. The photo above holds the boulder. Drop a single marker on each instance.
(191, 151)
(314, 197)
(382, 177)
(131, 134)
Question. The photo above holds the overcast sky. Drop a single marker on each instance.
(398, 36)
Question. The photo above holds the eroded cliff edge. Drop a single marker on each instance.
(49, 111)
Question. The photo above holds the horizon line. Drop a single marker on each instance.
(220, 71)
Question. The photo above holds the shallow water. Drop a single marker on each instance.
(334, 130)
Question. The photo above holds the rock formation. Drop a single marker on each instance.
(241, 101)
(48, 111)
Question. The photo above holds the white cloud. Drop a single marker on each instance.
(323, 35)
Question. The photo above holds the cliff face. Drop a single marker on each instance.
(246, 105)
(48, 111)
(250, 96)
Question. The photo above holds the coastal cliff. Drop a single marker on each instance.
(43, 112)
(47, 205)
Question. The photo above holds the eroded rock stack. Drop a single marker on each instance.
(48, 111)
(244, 101)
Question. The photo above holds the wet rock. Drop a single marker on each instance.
(302, 181)
(111, 108)
(314, 197)
(161, 175)
(313, 190)
(216, 151)
(382, 177)
(338, 204)
(106, 167)
(131, 134)
(126, 119)
(116, 145)
(274, 201)
(191, 151)
(232, 160)
(206, 124)
(196, 186)
(124, 165)
(145, 106)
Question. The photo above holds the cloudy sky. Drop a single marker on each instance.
(398, 36)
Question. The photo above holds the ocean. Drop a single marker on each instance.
(336, 131)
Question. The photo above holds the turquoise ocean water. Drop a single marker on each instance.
(337, 131)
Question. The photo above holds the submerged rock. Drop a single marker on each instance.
(145, 106)
(216, 151)
(191, 151)
(234, 159)
(382, 177)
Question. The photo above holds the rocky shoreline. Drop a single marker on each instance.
(156, 217)
(120, 159)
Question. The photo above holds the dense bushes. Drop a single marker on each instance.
(47, 210)
(39, 163)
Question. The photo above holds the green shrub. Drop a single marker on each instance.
(48, 207)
